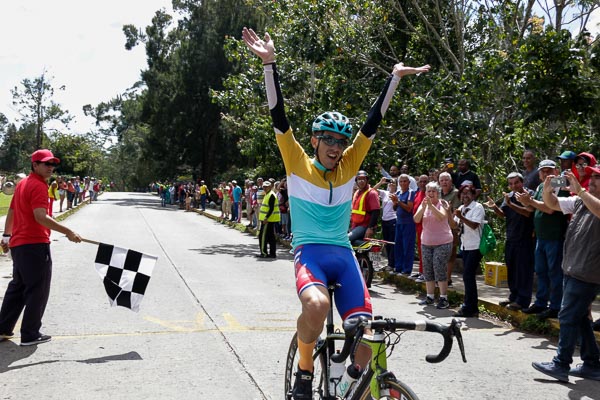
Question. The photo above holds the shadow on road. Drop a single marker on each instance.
(242, 250)
(13, 353)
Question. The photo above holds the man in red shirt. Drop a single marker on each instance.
(365, 209)
(27, 234)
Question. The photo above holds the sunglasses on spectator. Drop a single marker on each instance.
(582, 165)
(48, 164)
(331, 141)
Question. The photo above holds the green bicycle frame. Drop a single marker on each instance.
(378, 359)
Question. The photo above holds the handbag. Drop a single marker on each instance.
(487, 244)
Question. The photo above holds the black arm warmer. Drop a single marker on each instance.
(280, 121)
(375, 114)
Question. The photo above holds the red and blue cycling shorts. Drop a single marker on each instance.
(323, 264)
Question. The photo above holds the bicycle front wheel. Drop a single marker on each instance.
(291, 365)
(392, 390)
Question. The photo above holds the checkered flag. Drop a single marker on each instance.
(125, 273)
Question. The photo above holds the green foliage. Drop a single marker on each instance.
(535, 325)
(37, 107)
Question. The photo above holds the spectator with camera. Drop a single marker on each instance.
(582, 161)
(388, 217)
(550, 227)
(581, 278)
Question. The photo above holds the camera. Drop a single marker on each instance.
(389, 180)
(559, 181)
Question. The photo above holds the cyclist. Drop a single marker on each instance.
(365, 209)
(320, 194)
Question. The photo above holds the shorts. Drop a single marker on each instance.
(324, 264)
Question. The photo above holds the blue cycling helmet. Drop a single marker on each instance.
(333, 121)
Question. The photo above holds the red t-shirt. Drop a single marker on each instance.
(370, 203)
(31, 193)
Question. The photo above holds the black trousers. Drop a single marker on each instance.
(28, 290)
(266, 236)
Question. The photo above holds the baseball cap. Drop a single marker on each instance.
(234, 182)
(44, 155)
(567, 155)
(266, 184)
(546, 164)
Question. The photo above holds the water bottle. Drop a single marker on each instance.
(350, 376)
(336, 370)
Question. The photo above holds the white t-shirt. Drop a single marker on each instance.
(470, 238)
(387, 206)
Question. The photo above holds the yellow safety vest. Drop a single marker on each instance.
(264, 209)
(361, 203)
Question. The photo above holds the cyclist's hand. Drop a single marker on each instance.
(401, 70)
(265, 49)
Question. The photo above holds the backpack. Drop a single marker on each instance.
(487, 244)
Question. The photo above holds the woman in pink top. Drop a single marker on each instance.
(436, 243)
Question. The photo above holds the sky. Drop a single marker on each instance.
(79, 43)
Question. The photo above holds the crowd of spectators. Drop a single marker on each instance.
(436, 216)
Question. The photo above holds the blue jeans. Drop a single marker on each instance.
(203, 202)
(575, 323)
(235, 211)
(357, 233)
(548, 260)
(404, 250)
(471, 260)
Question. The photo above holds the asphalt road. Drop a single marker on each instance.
(216, 323)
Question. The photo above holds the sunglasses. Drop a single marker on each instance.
(49, 164)
(582, 165)
(331, 141)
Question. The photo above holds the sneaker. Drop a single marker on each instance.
(466, 314)
(586, 372)
(450, 283)
(6, 336)
(302, 385)
(40, 340)
(514, 306)
(549, 313)
(415, 275)
(553, 370)
(504, 303)
(534, 309)
(420, 279)
(442, 304)
(427, 302)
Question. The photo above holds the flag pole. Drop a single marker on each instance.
(89, 241)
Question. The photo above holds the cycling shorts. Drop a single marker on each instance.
(323, 264)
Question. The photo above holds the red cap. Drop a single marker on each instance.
(592, 170)
(44, 155)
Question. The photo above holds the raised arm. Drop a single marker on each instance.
(382, 103)
(265, 50)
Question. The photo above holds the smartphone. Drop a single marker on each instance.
(558, 181)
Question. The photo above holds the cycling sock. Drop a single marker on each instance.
(305, 352)
(443, 296)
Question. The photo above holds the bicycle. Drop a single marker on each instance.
(368, 255)
(375, 380)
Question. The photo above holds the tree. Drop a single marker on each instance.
(35, 104)
(185, 62)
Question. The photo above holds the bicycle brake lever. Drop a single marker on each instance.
(456, 332)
